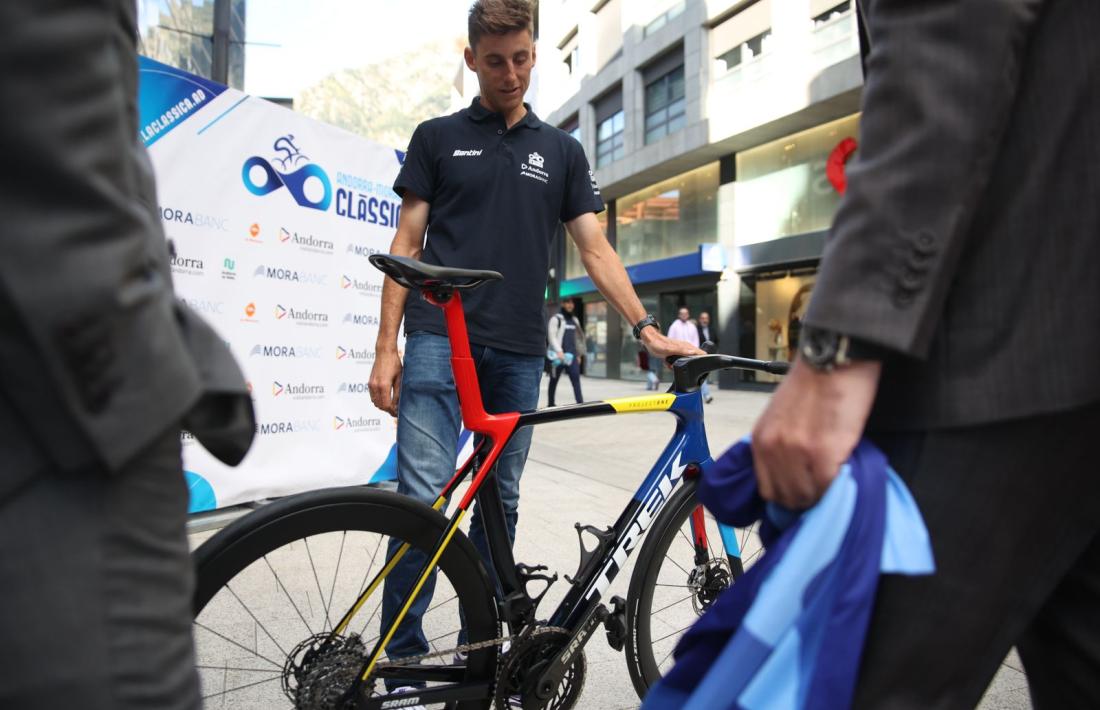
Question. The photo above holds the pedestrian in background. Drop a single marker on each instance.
(956, 320)
(566, 338)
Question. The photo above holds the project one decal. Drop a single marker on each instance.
(290, 175)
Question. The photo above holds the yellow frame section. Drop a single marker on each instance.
(339, 628)
(416, 590)
(642, 403)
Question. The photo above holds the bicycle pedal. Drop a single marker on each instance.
(615, 623)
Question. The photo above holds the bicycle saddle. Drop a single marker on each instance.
(414, 274)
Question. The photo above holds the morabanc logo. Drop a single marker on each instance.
(367, 319)
(278, 273)
(286, 352)
(297, 426)
(360, 250)
(353, 388)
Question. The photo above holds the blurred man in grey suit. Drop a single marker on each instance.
(99, 369)
(956, 316)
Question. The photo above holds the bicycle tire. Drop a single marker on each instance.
(642, 649)
(229, 565)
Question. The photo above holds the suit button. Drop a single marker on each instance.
(925, 244)
(903, 299)
(910, 282)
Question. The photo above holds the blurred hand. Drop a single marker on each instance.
(810, 427)
(385, 380)
(662, 346)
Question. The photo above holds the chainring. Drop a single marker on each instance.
(529, 656)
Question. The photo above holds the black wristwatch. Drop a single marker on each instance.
(649, 320)
(825, 350)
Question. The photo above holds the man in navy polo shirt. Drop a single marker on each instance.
(489, 185)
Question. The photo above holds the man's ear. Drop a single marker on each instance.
(534, 52)
(468, 55)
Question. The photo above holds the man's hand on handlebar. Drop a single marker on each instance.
(385, 380)
(661, 346)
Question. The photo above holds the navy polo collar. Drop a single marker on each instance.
(479, 113)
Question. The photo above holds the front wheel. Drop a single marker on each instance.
(686, 561)
(271, 587)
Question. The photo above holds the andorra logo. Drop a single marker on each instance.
(276, 389)
(280, 313)
(341, 353)
(284, 236)
(261, 178)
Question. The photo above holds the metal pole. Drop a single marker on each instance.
(219, 69)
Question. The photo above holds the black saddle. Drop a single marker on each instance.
(414, 274)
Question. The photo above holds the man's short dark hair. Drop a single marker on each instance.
(498, 17)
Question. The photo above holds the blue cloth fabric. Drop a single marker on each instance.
(789, 633)
(428, 426)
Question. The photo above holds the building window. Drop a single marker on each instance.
(573, 128)
(747, 50)
(663, 19)
(837, 10)
(609, 139)
(664, 105)
(670, 218)
(571, 52)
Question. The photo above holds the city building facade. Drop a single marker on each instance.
(718, 131)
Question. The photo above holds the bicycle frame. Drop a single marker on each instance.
(579, 612)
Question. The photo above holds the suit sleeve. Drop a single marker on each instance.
(941, 80)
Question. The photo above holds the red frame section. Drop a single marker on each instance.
(497, 427)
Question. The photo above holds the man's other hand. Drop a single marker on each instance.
(810, 427)
(385, 380)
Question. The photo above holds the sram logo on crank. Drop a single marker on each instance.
(655, 500)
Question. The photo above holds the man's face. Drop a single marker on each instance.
(503, 65)
(684, 314)
(568, 306)
(704, 319)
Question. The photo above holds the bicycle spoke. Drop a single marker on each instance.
(336, 573)
(279, 581)
(677, 564)
(317, 581)
(676, 586)
(448, 601)
(257, 621)
(241, 670)
(241, 646)
(669, 606)
(239, 687)
(366, 574)
(657, 641)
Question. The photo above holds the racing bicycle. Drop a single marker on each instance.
(287, 597)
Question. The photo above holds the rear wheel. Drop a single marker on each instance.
(272, 586)
(676, 579)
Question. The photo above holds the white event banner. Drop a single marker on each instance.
(272, 217)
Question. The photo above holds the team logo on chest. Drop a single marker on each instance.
(534, 168)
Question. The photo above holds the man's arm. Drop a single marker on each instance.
(936, 103)
(607, 272)
(385, 376)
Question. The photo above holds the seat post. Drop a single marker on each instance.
(463, 367)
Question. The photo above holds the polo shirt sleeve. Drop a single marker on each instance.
(582, 193)
(418, 172)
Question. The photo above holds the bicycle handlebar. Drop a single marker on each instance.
(689, 371)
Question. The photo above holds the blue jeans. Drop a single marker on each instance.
(428, 426)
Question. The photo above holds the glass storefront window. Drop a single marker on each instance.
(595, 336)
(574, 269)
(670, 218)
(772, 309)
(782, 188)
(628, 346)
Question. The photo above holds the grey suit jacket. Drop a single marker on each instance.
(969, 239)
(97, 357)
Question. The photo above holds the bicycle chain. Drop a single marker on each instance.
(467, 648)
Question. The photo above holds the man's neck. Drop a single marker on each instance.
(510, 119)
